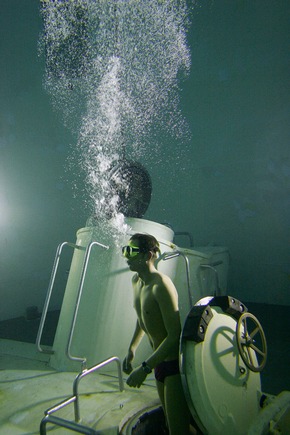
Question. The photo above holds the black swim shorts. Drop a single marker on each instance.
(166, 368)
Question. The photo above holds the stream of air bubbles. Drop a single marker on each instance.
(112, 69)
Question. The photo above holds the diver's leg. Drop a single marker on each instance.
(176, 409)
(160, 390)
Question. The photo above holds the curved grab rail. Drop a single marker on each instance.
(82, 360)
(70, 425)
(86, 372)
(75, 425)
(49, 292)
(169, 255)
(212, 266)
(185, 233)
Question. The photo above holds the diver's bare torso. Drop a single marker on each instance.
(148, 310)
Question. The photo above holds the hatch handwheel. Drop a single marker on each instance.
(251, 342)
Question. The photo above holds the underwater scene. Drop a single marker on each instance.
(161, 117)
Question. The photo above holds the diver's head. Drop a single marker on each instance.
(141, 248)
(146, 243)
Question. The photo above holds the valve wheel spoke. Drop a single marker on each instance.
(253, 352)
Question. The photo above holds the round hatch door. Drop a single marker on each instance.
(222, 392)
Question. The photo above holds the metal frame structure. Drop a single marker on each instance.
(88, 251)
(75, 399)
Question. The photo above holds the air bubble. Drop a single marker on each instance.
(112, 69)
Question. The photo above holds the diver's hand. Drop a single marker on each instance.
(136, 378)
(127, 363)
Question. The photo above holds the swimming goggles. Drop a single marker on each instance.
(130, 251)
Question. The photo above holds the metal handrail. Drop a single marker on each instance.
(82, 360)
(212, 267)
(185, 233)
(49, 293)
(60, 405)
(86, 372)
(70, 425)
(168, 256)
(74, 425)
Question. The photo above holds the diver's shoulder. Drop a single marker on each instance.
(162, 279)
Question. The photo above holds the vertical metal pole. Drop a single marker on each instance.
(47, 300)
(82, 360)
(49, 292)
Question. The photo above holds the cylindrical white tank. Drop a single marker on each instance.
(106, 318)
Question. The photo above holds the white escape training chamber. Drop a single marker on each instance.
(97, 318)
(223, 349)
(222, 346)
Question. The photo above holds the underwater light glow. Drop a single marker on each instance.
(111, 68)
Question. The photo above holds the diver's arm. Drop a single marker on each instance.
(137, 337)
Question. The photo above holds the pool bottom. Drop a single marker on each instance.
(28, 387)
